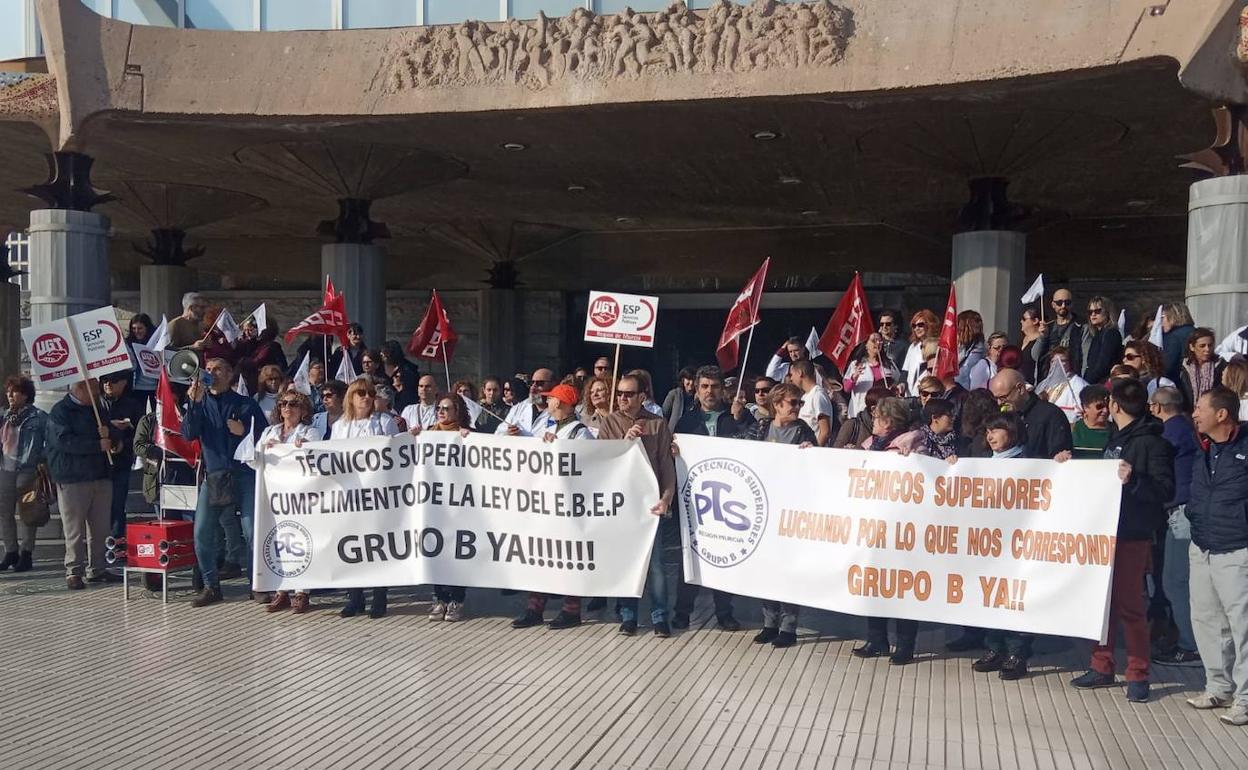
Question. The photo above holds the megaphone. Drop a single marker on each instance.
(183, 367)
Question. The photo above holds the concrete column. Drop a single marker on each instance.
(988, 273)
(69, 271)
(10, 328)
(161, 288)
(1217, 253)
(499, 337)
(359, 272)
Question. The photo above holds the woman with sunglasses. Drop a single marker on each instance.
(1031, 331)
(361, 419)
(923, 327)
(451, 416)
(871, 367)
(290, 423)
(781, 426)
(1145, 358)
(514, 391)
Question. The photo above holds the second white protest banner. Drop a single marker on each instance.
(567, 517)
(1023, 545)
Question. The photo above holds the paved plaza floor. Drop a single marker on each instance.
(91, 681)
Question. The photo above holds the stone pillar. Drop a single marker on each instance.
(988, 273)
(1217, 253)
(10, 328)
(359, 271)
(69, 270)
(161, 288)
(499, 336)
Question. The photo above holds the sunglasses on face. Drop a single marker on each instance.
(626, 393)
(328, 396)
(928, 394)
(1061, 302)
(1095, 311)
(1130, 357)
(442, 408)
(793, 402)
(918, 325)
(758, 391)
(288, 403)
(886, 323)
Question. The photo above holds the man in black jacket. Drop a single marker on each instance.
(1146, 469)
(78, 451)
(1218, 511)
(1064, 331)
(1048, 430)
(711, 416)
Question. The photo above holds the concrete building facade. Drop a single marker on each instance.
(517, 154)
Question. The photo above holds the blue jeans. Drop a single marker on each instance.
(1175, 575)
(209, 520)
(656, 578)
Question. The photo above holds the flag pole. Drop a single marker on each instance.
(325, 349)
(447, 364)
(744, 360)
(615, 377)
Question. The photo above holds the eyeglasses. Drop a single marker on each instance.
(1130, 357)
(886, 323)
(626, 393)
(919, 325)
(328, 395)
(929, 393)
(363, 394)
(443, 408)
(761, 390)
(1095, 311)
(1001, 399)
(288, 403)
(1061, 302)
(539, 383)
(794, 402)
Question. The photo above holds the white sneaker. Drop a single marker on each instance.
(1238, 715)
(438, 611)
(454, 612)
(1206, 701)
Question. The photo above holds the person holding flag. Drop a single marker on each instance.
(141, 332)
(219, 418)
(258, 347)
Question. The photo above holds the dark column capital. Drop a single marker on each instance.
(988, 207)
(353, 224)
(165, 247)
(69, 183)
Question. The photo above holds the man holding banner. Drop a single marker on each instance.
(78, 451)
(633, 422)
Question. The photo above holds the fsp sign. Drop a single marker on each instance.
(622, 319)
(55, 349)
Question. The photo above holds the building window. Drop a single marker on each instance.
(296, 14)
(156, 13)
(220, 14)
(361, 14)
(17, 252)
(455, 11)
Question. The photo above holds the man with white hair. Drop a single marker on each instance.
(186, 331)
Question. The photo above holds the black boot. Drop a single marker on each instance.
(355, 603)
(10, 560)
(378, 610)
(25, 562)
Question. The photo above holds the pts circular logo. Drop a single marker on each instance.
(288, 549)
(726, 509)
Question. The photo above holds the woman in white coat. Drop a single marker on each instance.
(870, 369)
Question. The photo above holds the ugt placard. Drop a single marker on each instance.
(621, 319)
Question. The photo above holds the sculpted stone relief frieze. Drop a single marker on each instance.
(583, 46)
(30, 96)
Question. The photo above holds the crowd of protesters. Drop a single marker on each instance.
(1068, 390)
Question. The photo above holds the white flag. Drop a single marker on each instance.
(346, 369)
(1122, 322)
(1154, 336)
(1057, 376)
(474, 411)
(812, 344)
(1036, 292)
(240, 388)
(226, 325)
(160, 338)
(246, 452)
(300, 380)
(1234, 344)
(261, 316)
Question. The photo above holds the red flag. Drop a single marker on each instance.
(435, 338)
(742, 316)
(331, 297)
(947, 353)
(169, 424)
(330, 321)
(848, 326)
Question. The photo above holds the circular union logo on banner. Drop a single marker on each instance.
(51, 350)
(604, 312)
(726, 507)
(288, 549)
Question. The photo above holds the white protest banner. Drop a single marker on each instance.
(1021, 545)
(622, 319)
(100, 343)
(566, 517)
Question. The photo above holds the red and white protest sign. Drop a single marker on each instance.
(93, 340)
(622, 319)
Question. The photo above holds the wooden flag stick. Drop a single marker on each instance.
(615, 377)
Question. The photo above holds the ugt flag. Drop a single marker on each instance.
(848, 326)
(434, 339)
(742, 317)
